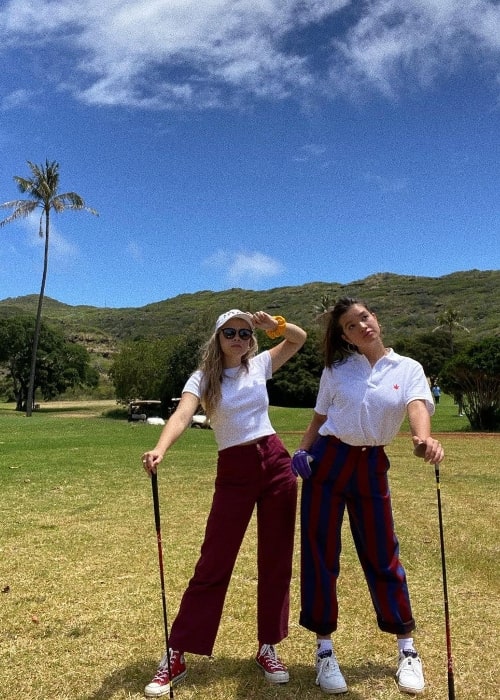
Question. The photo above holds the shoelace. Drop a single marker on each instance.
(161, 676)
(271, 657)
(327, 663)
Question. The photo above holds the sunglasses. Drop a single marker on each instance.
(230, 333)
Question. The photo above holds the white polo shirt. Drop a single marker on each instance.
(366, 405)
(242, 414)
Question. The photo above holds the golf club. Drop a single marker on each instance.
(419, 451)
(451, 677)
(156, 504)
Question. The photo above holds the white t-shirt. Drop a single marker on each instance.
(366, 405)
(242, 414)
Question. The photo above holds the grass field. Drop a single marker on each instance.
(80, 605)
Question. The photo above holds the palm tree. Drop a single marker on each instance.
(324, 305)
(450, 320)
(42, 190)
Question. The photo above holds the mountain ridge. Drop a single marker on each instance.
(404, 304)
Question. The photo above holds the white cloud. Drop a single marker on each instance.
(61, 250)
(385, 183)
(244, 268)
(186, 53)
(135, 251)
(15, 99)
(311, 152)
(425, 39)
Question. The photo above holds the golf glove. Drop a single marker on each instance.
(301, 464)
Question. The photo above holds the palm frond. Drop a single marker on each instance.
(42, 190)
(13, 204)
(22, 209)
(71, 200)
(24, 185)
(44, 183)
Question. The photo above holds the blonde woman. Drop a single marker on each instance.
(253, 470)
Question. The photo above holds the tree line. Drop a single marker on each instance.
(158, 368)
(467, 370)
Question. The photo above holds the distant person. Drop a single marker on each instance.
(365, 391)
(436, 392)
(253, 470)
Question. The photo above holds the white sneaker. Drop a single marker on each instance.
(328, 674)
(409, 675)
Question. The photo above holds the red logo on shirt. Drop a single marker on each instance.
(396, 386)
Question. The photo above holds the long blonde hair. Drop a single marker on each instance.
(212, 366)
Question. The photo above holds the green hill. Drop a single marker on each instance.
(404, 304)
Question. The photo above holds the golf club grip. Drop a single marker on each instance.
(156, 500)
(451, 686)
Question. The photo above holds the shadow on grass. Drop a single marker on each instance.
(131, 678)
(116, 413)
(86, 411)
(244, 677)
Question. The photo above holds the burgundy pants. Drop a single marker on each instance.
(354, 478)
(247, 476)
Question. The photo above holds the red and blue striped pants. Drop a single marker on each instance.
(354, 478)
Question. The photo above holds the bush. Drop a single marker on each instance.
(474, 377)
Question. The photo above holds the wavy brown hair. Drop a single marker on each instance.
(212, 366)
(335, 349)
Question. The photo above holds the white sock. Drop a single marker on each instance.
(406, 644)
(324, 645)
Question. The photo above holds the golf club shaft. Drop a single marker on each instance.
(451, 678)
(156, 505)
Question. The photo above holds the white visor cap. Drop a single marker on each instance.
(234, 313)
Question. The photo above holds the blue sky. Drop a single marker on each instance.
(253, 144)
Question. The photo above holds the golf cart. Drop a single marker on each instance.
(199, 419)
(140, 410)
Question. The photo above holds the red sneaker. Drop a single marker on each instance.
(160, 685)
(274, 669)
